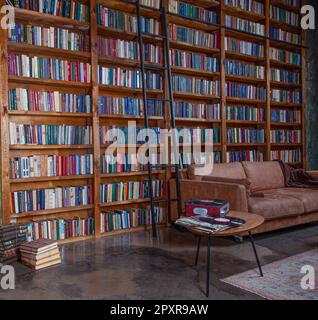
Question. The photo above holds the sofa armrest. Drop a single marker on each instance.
(234, 193)
(313, 174)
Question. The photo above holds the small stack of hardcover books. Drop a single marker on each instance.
(40, 254)
(11, 237)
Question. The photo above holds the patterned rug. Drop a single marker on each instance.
(282, 279)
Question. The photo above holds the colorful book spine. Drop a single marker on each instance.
(23, 134)
(286, 96)
(51, 166)
(288, 156)
(198, 135)
(194, 37)
(131, 218)
(197, 111)
(293, 3)
(148, 3)
(191, 11)
(238, 68)
(247, 5)
(244, 113)
(48, 101)
(285, 56)
(286, 76)
(60, 229)
(244, 155)
(121, 21)
(129, 50)
(46, 199)
(285, 16)
(286, 136)
(192, 60)
(187, 159)
(130, 190)
(62, 8)
(286, 116)
(49, 37)
(283, 35)
(244, 47)
(241, 90)
(128, 78)
(128, 106)
(244, 25)
(241, 135)
(196, 85)
(48, 68)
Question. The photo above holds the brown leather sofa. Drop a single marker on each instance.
(255, 187)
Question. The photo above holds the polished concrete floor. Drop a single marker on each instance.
(134, 266)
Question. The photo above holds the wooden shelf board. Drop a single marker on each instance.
(243, 35)
(195, 72)
(58, 178)
(195, 96)
(286, 104)
(49, 114)
(126, 202)
(128, 117)
(285, 26)
(238, 145)
(286, 124)
(281, 4)
(244, 100)
(49, 147)
(129, 174)
(198, 120)
(190, 47)
(230, 77)
(279, 84)
(286, 144)
(126, 90)
(285, 45)
(246, 122)
(256, 17)
(281, 64)
(244, 57)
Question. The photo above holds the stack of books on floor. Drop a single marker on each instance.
(11, 237)
(40, 254)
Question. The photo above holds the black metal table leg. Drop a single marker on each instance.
(208, 267)
(198, 251)
(255, 253)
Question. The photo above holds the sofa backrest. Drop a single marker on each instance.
(233, 170)
(264, 175)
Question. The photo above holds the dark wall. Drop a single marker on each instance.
(312, 92)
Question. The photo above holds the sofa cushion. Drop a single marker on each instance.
(222, 170)
(309, 197)
(273, 206)
(264, 175)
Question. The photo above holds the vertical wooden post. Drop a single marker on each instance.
(95, 94)
(268, 82)
(223, 82)
(5, 183)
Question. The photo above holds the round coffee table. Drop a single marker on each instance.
(252, 221)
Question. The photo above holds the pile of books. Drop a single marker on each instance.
(11, 237)
(40, 254)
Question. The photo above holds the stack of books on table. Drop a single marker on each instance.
(40, 254)
(11, 237)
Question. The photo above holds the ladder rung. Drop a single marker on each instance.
(149, 66)
(165, 200)
(158, 99)
(164, 166)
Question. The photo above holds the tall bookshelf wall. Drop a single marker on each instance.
(230, 113)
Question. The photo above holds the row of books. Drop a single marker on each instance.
(191, 11)
(288, 96)
(244, 69)
(63, 8)
(199, 135)
(285, 16)
(122, 21)
(289, 116)
(45, 199)
(248, 5)
(294, 3)
(186, 158)
(48, 101)
(241, 135)
(131, 218)
(244, 113)
(60, 229)
(51, 166)
(128, 106)
(48, 68)
(244, 155)
(246, 91)
(196, 85)
(148, 3)
(194, 37)
(244, 47)
(130, 190)
(129, 50)
(283, 35)
(288, 156)
(23, 134)
(244, 25)
(197, 111)
(192, 60)
(285, 56)
(285, 136)
(51, 37)
(285, 76)
(128, 78)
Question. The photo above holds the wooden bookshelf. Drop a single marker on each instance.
(94, 89)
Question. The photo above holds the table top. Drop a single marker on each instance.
(252, 221)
